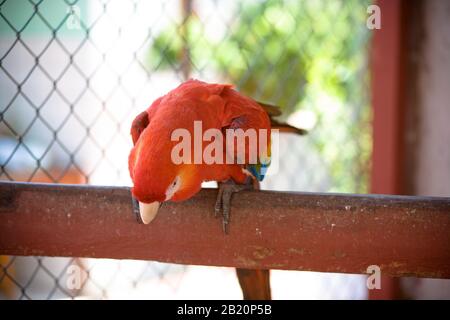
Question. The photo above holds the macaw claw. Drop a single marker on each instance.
(223, 200)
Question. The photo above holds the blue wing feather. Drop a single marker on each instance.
(258, 170)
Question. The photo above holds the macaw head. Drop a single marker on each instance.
(156, 178)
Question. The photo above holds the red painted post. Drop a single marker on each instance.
(387, 91)
(388, 58)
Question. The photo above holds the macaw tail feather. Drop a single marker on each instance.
(274, 111)
(286, 128)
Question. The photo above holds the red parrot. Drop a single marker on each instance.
(157, 178)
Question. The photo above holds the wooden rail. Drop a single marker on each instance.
(405, 236)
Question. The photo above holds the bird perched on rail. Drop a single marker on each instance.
(196, 107)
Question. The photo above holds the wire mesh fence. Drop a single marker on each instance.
(74, 74)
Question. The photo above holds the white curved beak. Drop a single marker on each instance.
(148, 211)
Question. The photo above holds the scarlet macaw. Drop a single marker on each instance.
(156, 178)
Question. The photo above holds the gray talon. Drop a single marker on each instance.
(223, 201)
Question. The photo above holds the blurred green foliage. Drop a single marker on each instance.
(309, 55)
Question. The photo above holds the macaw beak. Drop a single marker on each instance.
(148, 211)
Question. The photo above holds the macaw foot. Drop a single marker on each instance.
(223, 202)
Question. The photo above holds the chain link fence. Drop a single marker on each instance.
(73, 74)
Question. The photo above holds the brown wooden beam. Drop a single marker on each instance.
(405, 236)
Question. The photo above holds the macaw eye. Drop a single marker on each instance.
(173, 187)
(175, 181)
